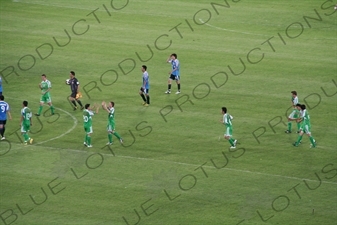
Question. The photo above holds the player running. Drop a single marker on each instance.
(227, 121)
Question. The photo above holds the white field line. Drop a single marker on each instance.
(67, 132)
(235, 31)
(54, 5)
(189, 164)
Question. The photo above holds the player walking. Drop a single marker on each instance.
(305, 127)
(144, 90)
(295, 114)
(174, 73)
(75, 94)
(4, 111)
(111, 122)
(26, 122)
(45, 87)
(87, 118)
(227, 121)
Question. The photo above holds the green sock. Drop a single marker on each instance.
(52, 109)
(86, 138)
(110, 137)
(298, 126)
(231, 142)
(26, 137)
(312, 140)
(89, 140)
(117, 135)
(298, 140)
(232, 139)
(40, 109)
(289, 125)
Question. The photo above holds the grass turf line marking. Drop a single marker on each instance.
(68, 131)
(189, 164)
(219, 28)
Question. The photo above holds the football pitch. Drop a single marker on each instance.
(174, 167)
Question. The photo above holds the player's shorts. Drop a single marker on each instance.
(73, 94)
(88, 130)
(3, 122)
(229, 131)
(306, 128)
(294, 114)
(45, 98)
(145, 91)
(174, 77)
(25, 127)
(110, 127)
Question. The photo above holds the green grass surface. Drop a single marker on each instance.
(157, 173)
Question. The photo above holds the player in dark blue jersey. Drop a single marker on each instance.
(174, 73)
(144, 90)
(4, 111)
(75, 93)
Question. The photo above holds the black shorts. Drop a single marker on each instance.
(146, 91)
(73, 94)
(174, 77)
(3, 122)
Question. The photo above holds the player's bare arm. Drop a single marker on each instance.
(9, 115)
(168, 59)
(105, 107)
(96, 106)
(47, 90)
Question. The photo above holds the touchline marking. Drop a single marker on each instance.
(67, 132)
(188, 164)
(219, 28)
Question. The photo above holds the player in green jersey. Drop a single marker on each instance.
(45, 87)
(111, 122)
(295, 114)
(88, 112)
(227, 121)
(305, 127)
(26, 122)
